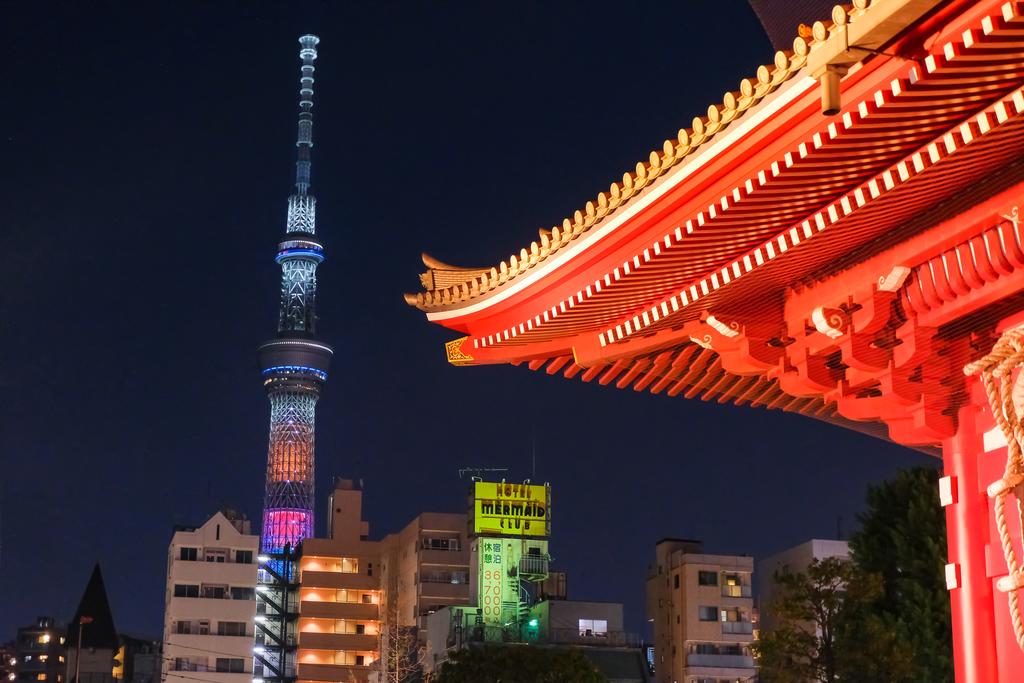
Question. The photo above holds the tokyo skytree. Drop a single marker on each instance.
(294, 364)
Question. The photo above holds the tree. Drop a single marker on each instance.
(518, 664)
(902, 538)
(401, 653)
(826, 630)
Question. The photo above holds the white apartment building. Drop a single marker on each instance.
(210, 603)
(793, 560)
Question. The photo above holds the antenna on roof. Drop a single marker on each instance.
(533, 451)
(478, 471)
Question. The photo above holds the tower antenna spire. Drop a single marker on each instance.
(295, 363)
(304, 142)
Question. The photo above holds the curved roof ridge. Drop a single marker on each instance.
(471, 283)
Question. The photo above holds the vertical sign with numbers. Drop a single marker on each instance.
(492, 579)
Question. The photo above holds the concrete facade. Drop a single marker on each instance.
(210, 602)
(793, 560)
(702, 611)
(426, 567)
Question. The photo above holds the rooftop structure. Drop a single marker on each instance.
(294, 364)
(839, 237)
(93, 642)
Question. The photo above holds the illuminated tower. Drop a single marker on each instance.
(294, 364)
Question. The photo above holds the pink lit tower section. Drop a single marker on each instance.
(294, 364)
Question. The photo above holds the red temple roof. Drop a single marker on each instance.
(711, 270)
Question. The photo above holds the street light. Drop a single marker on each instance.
(82, 620)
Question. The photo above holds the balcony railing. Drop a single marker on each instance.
(559, 636)
(533, 565)
(737, 627)
(736, 591)
(572, 636)
(722, 661)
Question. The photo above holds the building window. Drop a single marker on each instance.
(360, 659)
(451, 544)
(43, 638)
(593, 628)
(62, 640)
(360, 629)
(218, 592)
(60, 658)
(243, 593)
(189, 554)
(243, 556)
(230, 628)
(367, 599)
(707, 578)
(40, 677)
(216, 556)
(183, 628)
(234, 666)
(676, 581)
(707, 613)
(186, 590)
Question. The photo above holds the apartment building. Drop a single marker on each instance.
(210, 602)
(425, 567)
(339, 595)
(40, 652)
(793, 560)
(701, 608)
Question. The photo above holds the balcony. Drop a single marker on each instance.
(721, 661)
(736, 591)
(332, 672)
(533, 567)
(572, 636)
(214, 608)
(445, 591)
(228, 573)
(339, 610)
(334, 580)
(738, 627)
(338, 641)
(437, 556)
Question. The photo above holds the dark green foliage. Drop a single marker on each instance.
(884, 617)
(902, 538)
(518, 664)
(826, 633)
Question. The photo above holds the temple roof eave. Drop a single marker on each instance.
(448, 288)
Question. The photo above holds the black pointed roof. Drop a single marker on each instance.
(100, 633)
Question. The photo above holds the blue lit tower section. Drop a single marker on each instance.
(294, 364)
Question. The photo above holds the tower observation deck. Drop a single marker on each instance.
(294, 364)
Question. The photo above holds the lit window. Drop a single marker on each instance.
(593, 627)
(43, 658)
(60, 658)
(40, 677)
(62, 640)
(44, 638)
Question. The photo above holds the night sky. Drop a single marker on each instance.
(147, 157)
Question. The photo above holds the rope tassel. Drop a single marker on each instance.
(996, 371)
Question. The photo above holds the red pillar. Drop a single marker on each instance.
(984, 647)
(967, 528)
